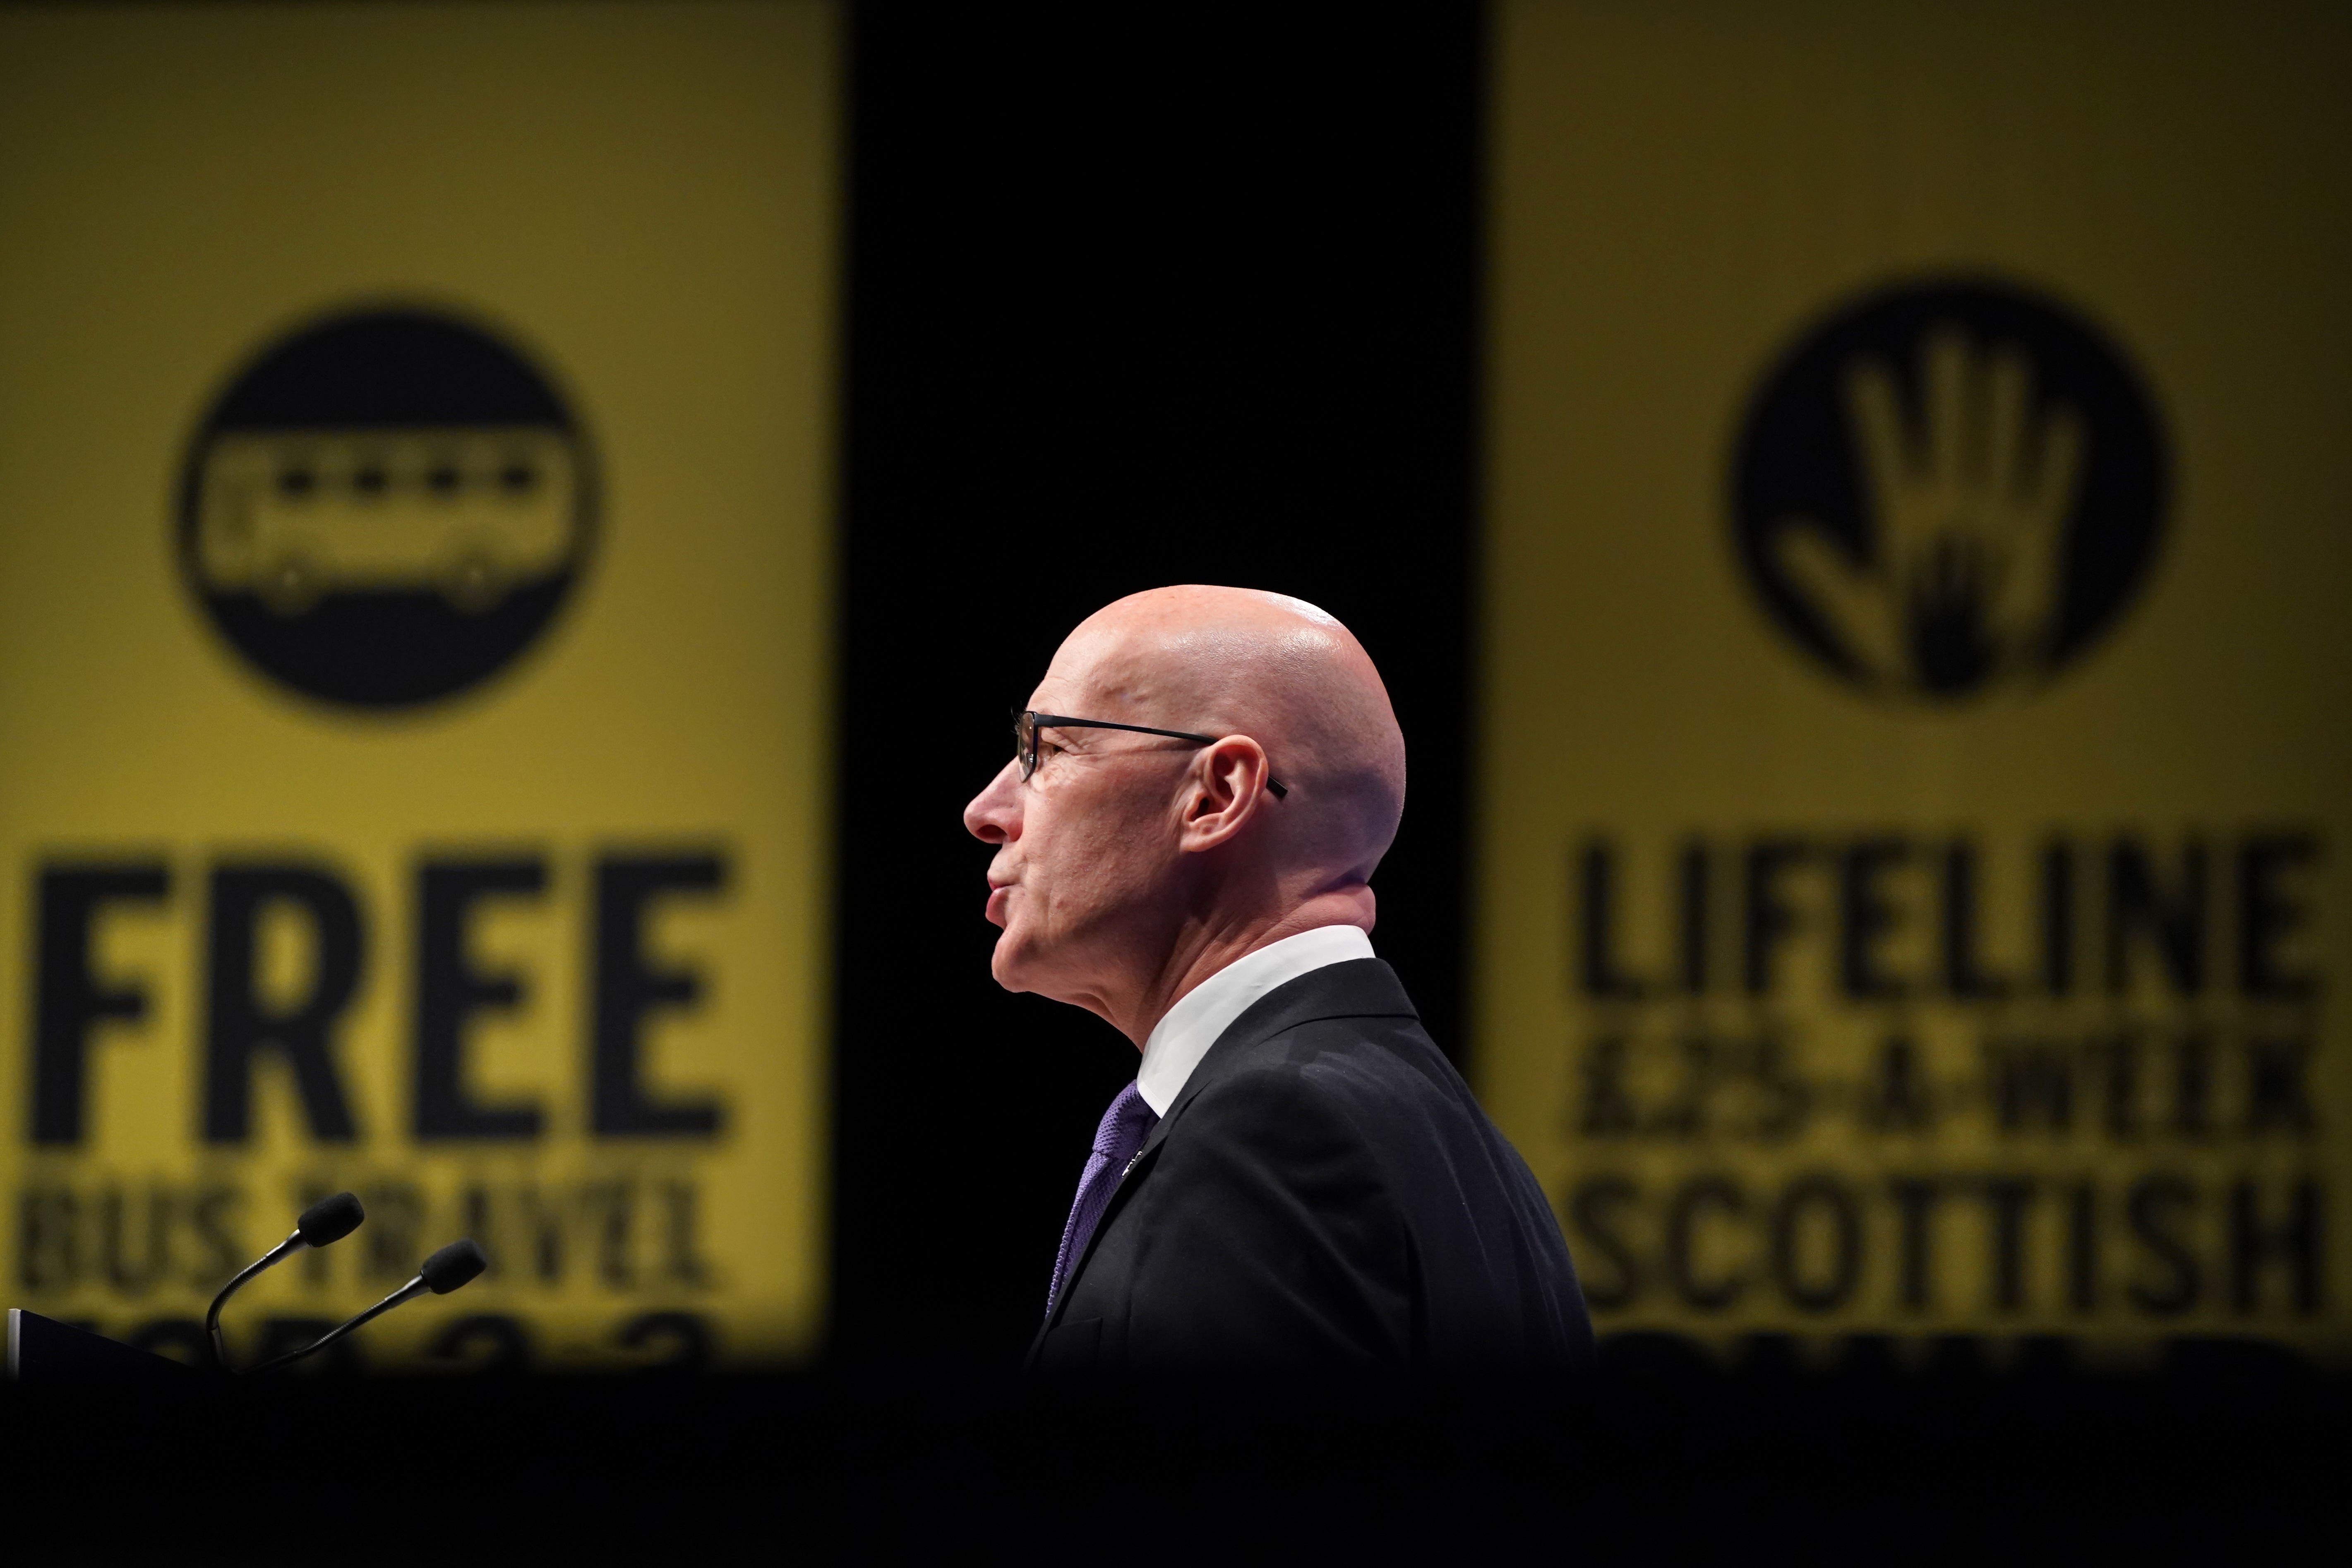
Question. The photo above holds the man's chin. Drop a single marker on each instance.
(1005, 964)
(1017, 965)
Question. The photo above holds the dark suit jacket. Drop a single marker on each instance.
(1324, 1195)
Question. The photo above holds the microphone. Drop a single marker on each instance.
(445, 1271)
(323, 1223)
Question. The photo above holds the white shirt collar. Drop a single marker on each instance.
(1183, 1036)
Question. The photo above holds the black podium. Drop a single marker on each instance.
(42, 1349)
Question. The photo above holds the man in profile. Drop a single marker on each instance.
(1298, 1179)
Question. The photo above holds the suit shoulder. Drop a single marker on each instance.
(1271, 1084)
(1362, 1071)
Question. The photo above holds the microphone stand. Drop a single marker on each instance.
(276, 1254)
(409, 1291)
(445, 1271)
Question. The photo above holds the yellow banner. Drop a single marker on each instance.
(415, 625)
(1916, 799)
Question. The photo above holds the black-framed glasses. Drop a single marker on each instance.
(1027, 722)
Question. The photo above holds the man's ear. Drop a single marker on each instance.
(1227, 784)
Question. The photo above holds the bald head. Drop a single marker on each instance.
(1130, 866)
(1242, 661)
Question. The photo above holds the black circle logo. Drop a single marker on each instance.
(1949, 487)
(386, 508)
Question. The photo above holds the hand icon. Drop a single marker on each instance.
(1970, 519)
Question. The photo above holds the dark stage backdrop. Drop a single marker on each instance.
(1170, 297)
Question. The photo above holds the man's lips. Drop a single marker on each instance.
(999, 895)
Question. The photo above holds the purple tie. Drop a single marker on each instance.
(1118, 1141)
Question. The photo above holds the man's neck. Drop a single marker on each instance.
(1202, 950)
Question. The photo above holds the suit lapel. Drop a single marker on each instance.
(1358, 988)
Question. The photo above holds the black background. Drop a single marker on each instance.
(1136, 297)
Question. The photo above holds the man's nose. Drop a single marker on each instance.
(994, 814)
